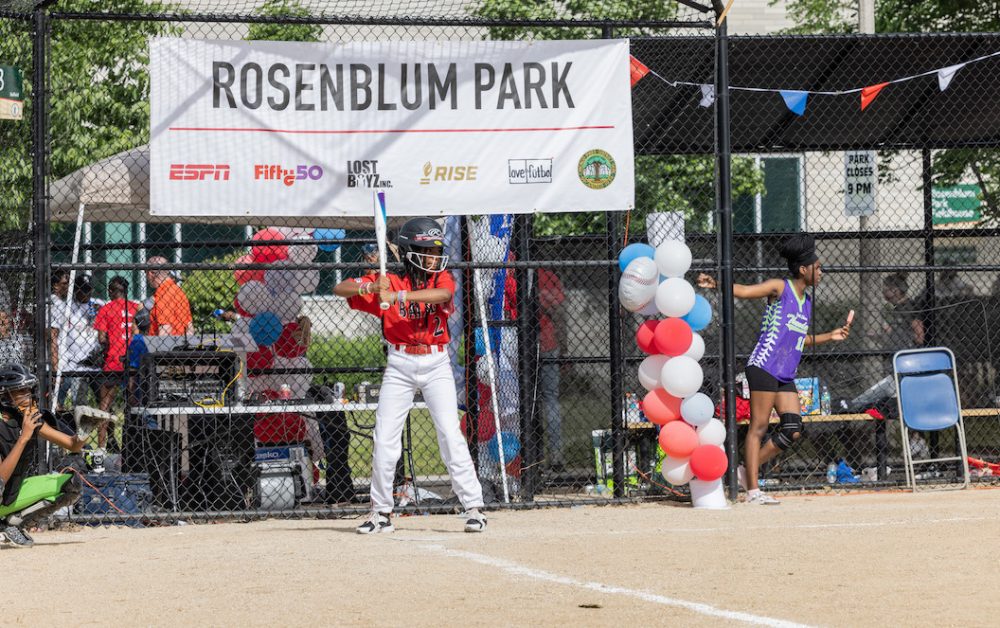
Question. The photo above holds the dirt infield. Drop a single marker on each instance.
(861, 560)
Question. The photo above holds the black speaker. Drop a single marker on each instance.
(157, 453)
(220, 455)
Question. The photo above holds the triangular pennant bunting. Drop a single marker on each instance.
(707, 95)
(637, 69)
(870, 93)
(795, 100)
(946, 74)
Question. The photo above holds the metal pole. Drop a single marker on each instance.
(39, 150)
(615, 342)
(469, 331)
(527, 331)
(724, 208)
(927, 172)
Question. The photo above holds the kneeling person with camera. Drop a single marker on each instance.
(28, 500)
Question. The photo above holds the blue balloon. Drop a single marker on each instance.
(511, 447)
(700, 315)
(329, 234)
(633, 251)
(265, 328)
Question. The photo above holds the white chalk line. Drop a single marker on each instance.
(528, 572)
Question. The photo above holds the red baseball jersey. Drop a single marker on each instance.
(409, 323)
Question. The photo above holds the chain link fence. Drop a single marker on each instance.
(187, 431)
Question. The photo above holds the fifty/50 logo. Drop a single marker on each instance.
(521, 171)
(448, 173)
(363, 173)
(199, 172)
(288, 176)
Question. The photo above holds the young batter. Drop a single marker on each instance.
(416, 329)
(772, 365)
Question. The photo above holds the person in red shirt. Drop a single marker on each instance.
(415, 326)
(113, 325)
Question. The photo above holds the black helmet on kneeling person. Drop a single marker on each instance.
(14, 376)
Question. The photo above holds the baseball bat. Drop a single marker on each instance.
(380, 236)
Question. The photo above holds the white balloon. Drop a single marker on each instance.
(637, 286)
(677, 471)
(287, 307)
(650, 309)
(283, 280)
(254, 297)
(681, 376)
(697, 409)
(301, 253)
(674, 297)
(712, 433)
(673, 258)
(649, 371)
(697, 349)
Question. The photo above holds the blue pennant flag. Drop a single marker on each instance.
(795, 100)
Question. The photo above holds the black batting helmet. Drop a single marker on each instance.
(16, 376)
(415, 237)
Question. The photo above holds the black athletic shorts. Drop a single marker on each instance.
(761, 380)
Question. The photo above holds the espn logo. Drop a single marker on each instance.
(199, 172)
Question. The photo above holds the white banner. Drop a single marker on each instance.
(462, 127)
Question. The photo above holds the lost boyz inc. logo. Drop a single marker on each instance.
(363, 173)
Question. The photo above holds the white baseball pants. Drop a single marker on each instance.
(431, 374)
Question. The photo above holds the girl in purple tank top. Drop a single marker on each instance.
(771, 368)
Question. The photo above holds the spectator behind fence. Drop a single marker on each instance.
(905, 319)
(11, 347)
(59, 285)
(136, 349)
(74, 342)
(113, 325)
(171, 311)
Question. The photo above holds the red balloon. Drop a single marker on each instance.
(259, 360)
(678, 439)
(644, 337)
(672, 337)
(271, 253)
(286, 346)
(661, 407)
(244, 275)
(708, 462)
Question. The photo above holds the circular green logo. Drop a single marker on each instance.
(596, 169)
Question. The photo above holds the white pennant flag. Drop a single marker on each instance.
(707, 95)
(946, 74)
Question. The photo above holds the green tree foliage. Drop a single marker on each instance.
(917, 16)
(98, 98)
(284, 32)
(683, 183)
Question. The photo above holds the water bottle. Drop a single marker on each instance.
(339, 391)
(831, 473)
(285, 392)
(824, 401)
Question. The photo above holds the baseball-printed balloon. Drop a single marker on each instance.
(637, 285)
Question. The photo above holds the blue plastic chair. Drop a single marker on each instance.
(929, 401)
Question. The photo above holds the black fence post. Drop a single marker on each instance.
(39, 158)
(469, 354)
(927, 173)
(724, 210)
(527, 328)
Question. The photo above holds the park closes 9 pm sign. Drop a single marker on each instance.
(464, 127)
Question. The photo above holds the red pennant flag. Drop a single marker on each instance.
(637, 69)
(870, 93)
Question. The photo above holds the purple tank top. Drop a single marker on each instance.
(782, 335)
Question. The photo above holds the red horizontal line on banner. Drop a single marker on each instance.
(360, 131)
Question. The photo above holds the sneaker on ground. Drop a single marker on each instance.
(761, 498)
(476, 522)
(377, 523)
(17, 537)
(741, 477)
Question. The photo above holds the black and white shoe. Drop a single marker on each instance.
(17, 537)
(377, 523)
(476, 522)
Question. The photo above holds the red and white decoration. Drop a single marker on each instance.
(689, 435)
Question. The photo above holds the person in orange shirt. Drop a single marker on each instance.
(171, 312)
